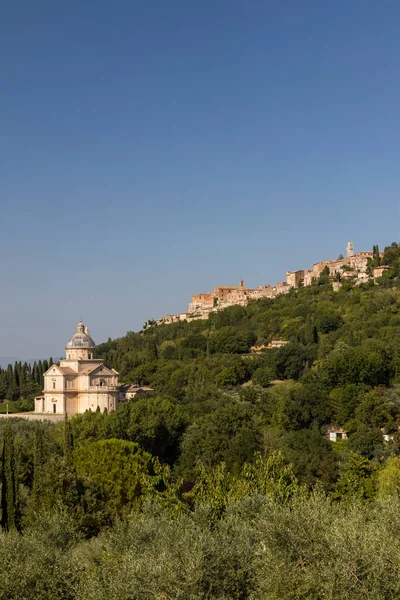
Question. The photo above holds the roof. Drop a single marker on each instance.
(231, 287)
(60, 369)
(81, 339)
(99, 366)
(88, 369)
(67, 371)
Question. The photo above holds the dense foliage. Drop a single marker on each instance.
(222, 483)
(215, 401)
(20, 383)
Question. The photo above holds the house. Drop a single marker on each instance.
(379, 271)
(277, 344)
(135, 390)
(334, 433)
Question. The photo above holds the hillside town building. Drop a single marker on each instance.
(79, 382)
(353, 266)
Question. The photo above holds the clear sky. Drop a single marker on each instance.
(152, 150)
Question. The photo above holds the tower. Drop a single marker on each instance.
(350, 249)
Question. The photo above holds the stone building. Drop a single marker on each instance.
(350, 248)
(379, 271)
(294, 278)
(263, 291)
(131, 391)
(356, 264)
(79, 382)
(222, 296)
(355, 267)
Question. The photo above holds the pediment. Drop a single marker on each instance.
(102, 370)
(54, 368)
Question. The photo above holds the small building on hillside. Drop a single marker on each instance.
(334, 433)
(271, 346)
(295, 278)
(277, 344)
(379, 271)
(129, 392)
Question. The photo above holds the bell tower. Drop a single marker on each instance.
(350, 249)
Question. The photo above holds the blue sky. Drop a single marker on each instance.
(152, 150)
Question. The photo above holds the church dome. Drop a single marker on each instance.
(81, 339)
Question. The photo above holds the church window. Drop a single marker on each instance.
(54, 385)
(54, 408)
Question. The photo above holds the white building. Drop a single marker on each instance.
(80, 382)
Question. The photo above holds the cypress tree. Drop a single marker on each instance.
(70, 488)
(40, 371)
(68, 442)
(38, 460)
(9, 498)
(35, 373)
(377, 256)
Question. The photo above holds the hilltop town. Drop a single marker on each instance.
(359, 267)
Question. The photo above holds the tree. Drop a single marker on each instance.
(227, 434)
(324, 276)
(389, 478)
(376, 256)
(121, 470)
(358, 479)
(291, 361)
(311, 457)
(367, 441)
(10, 515)
(38, 464)
(68, 443)
(155, 423)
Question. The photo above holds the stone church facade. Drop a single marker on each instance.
(79, 382)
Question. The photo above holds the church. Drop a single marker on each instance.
(80, 382)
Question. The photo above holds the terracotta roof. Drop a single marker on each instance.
(67, 371)
(99, 366)
(88, 369)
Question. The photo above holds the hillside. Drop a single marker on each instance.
(215, 401)
(225, 471)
